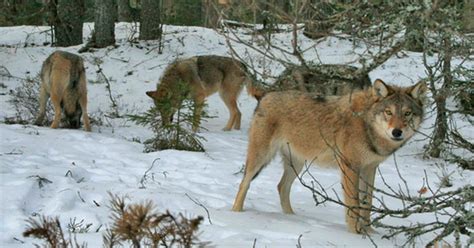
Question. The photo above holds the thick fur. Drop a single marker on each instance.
(204, 76)
(63, 78)
(355, 132)
(323, 79)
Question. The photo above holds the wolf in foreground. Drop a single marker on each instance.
(63, 78)
(355, 132)
(202, 77)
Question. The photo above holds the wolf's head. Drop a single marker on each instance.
(169, 96)
(71, 114)
(73, 120)
(397, 112)
(164, 102)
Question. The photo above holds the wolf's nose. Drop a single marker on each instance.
(397, 133)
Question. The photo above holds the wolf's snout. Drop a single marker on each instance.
(397, 133)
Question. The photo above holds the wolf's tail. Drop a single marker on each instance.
(76, 72)
(255, 89)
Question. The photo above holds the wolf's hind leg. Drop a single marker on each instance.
(292, 167)
(58, 84)
(260, 152)
(56, 101)
(43, 100)
(229, 93)
(85, 116)
(83, 102)
(235, 115)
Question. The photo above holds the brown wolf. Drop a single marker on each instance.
(355, 132)
(203, 76)
(63, 78)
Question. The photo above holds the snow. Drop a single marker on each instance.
(81, 167)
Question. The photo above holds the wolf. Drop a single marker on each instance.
(355, 132)
(63, 78)
(202, 77)
(325, 79)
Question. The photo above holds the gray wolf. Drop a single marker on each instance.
(63, 78)
(323, 79)
(202, 76)
(355, 132)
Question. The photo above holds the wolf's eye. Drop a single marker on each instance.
(408, 113)
(388, 112)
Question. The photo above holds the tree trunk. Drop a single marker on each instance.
(261, 11)
(104, 23)
(468, 13)
(124, 11)
(185, 12)
(414, 36)
(440, 96)
(316, 25)
(211, 14)
(67, 18)
(150, 28)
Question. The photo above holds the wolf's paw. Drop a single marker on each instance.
(364, 228)
(236, 209)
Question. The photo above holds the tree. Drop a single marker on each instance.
(25, 12)
(124, 11)
(183, 12)
(468, 13)
(211, 10)
(67, 18)
(446, 78)
(104, 23)
(174, 135)
(150, 21)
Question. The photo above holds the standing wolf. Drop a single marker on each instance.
(325, 79)
(355, 132)
(63, 78)
(202, 76)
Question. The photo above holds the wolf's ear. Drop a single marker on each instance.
(418, 91)
(380, 88)
(152, 94)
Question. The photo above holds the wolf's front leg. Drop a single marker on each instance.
(198, 106)
(350, 186)
(366, 187)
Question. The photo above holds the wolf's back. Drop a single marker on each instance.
(75, 66)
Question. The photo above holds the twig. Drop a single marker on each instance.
(201, 205)
(80, 197)
(298, 245)
(145, 175)
(114, 105)
(14, 152)
(41, 180)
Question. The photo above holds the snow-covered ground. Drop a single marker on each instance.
(83, 167)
